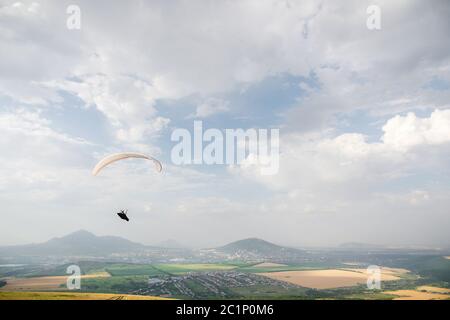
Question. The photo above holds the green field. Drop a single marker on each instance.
(133, 270)
(115, 284)
(198, 267)
(87, 267)
(270, 292)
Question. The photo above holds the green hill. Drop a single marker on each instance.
(258, 247)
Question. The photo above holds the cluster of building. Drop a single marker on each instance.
(204, 284)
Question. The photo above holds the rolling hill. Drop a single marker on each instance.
(259, 249)
(81, 243)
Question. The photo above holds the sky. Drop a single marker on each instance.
(363, 116)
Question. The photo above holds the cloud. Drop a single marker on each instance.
(21, 122)
(347, 187)
(124, 68)
(189, 48)
(350, 157)
(127, 102)
(210, 107)
(406, 132)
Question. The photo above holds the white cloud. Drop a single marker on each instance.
(346, 187)
(186, 48)
(350, 157)
(406, 132)
(210, 107)
(22, 122)
(127, 102)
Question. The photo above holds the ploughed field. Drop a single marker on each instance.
(330, 278)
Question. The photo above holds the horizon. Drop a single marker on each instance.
(187, 246)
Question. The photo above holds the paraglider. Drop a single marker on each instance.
(123, 215)
(120, 156)
(124, 155)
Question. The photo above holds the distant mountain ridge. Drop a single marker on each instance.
(77, 243)
(86, 244)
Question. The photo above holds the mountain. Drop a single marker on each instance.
(259, 249)
(81, 243)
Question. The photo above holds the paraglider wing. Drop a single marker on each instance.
(124, 155)
(123, 216)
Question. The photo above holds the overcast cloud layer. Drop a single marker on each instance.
(364, 118)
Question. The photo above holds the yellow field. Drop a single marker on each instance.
(327, 279)
(417, 295)
(385, 271)
(433, 289)
(72, 296)
(100, 274)
(269, 265)
(448, 257)
(43, 283)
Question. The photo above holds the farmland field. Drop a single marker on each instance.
(196, 267)
(433, 289)
(163, 269)
(417, 295)
(133, 270)
(115, 284)
(71, 296)
(326, 279)
(269, 265)
(413, 278)
(43, 283)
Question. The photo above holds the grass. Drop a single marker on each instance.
(115, 284)
(125, 269)
(127, 278)
(71, 296)
(373, 295)
(87, 267)
(270, 292)
(418, 295)
(133, 270)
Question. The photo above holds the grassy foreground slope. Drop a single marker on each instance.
(72, 296)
